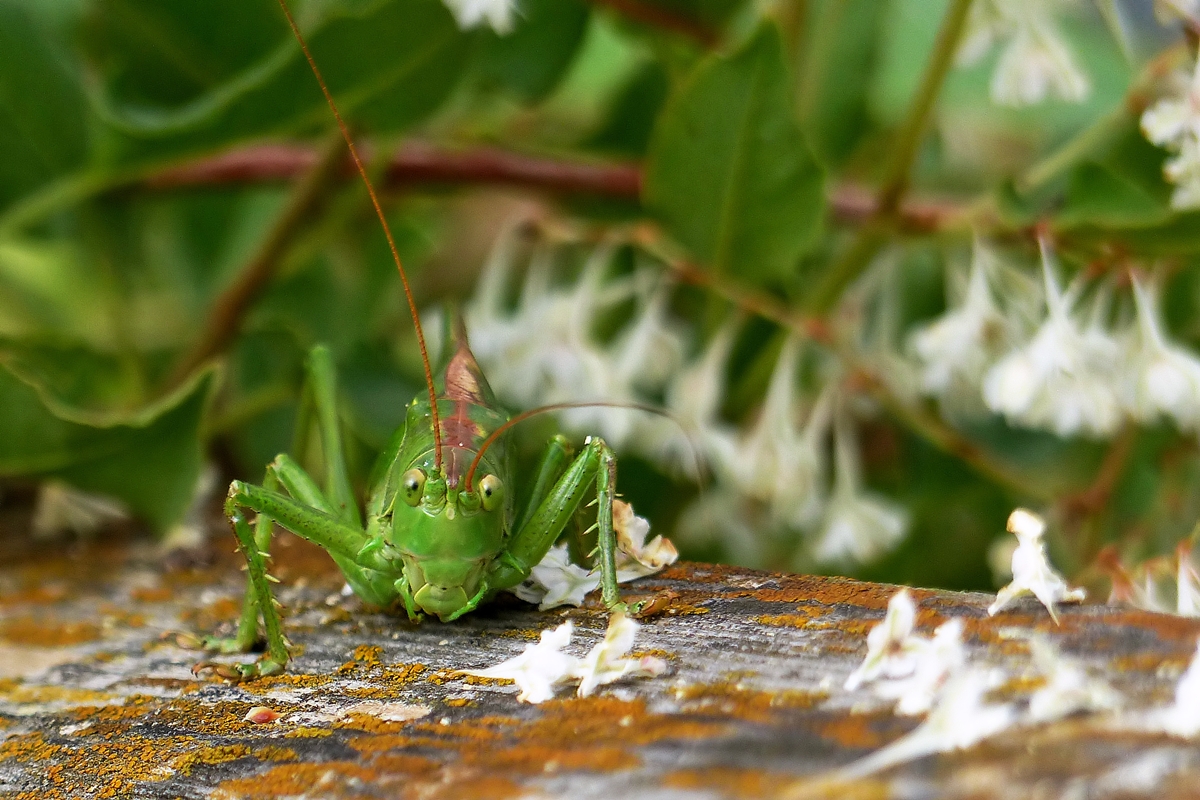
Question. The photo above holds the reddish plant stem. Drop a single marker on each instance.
(415, 162)
(422, 163)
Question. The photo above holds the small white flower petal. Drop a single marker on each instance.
(891, 646)
(959, 719)
(1165, 377)
(61, 508)
(1037, 65)
(858, 526)
(957, 348)
(1187, 598)
(1032, 573)
(606, 662)
(1064, 379)
(1182, 717)
(1035, 62)
(1068, 688)
(936, 661)
(1173, 123)
(538, 668)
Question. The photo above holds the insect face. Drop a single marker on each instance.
(447, 539)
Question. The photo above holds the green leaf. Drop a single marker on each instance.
(631, 118)
(387, 64)
(532, 59)
(839, 52)
(43, 126)
(729, 170)
(150, 459)
(1099, 196)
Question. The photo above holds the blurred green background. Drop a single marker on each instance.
(157, 295)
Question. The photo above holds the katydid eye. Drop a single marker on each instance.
(491, 491)
(412, 485)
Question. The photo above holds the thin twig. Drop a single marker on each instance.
(872, 235)
(224, 320)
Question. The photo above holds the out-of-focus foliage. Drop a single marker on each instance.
(773, 144)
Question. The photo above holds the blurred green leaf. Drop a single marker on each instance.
(626, 130)
(1098, 196)
(149, 459)
(43, 123)
(838, 57)
(739, 188)
(174, 85)
(532, 59)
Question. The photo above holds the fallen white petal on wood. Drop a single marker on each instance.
(1032, 573)
(936, 661)
(606, 661)
(958, 720)
(892, 647)
(1069, 688)
(542, 666)
(539, 666)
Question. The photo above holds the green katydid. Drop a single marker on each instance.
(441, 534)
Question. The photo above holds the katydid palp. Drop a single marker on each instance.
(441, 534)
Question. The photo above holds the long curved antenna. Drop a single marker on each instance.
(468, 481)
(387, 231)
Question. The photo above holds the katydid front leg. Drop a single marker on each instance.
(597, 465)
(328, 518)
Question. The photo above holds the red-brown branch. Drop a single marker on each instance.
(415, 162)
(422, 163)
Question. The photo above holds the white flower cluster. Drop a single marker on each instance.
(933, 677)
(1072, 375)
(540, 667)
(544, 351)
(1174, 123)
(773, 471)
(1035, 62)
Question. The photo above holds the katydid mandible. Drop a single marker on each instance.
(441, 533)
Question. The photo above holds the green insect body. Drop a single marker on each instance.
(440, 534)
(432, 543)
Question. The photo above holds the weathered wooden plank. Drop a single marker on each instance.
(94, 703)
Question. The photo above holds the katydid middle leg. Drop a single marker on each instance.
(595, 466)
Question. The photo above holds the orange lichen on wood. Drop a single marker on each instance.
(735, 700)
(865, 731)
(220, 754)
(744, 784)
(41, 632)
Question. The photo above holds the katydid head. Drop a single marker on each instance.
(447, 537)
